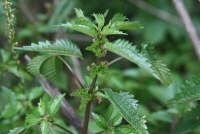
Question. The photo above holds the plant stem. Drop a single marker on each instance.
(114, 60)
(71, 71)
(63, 128)
(87, 111)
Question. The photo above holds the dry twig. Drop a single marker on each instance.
(192, 33)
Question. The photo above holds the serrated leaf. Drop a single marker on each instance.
(111, 31)
(100, 19)
(126, 129)
(44, 127)
(127, 106)
(100, 121)
(48, 68)
(125, 49)
(59, 47)
(189, 122)
(189, 92)
(31, 120)
(54, 104)
(46, 65)
(116, 18)
(16, 130)
(127, 25)
(160, 70)
(80, 14)
(85, 27)
(35, 64)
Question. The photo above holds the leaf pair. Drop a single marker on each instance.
(117, 23)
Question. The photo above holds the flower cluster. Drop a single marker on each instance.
(11, 31)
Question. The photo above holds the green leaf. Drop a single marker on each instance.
(46, 65)
(12, 106)
(189, 122)
(43, 105)
(116, 18)
(128, 25)
(100, 19)
(50, 67)
(160, 70)
(111, 31)
(44, 127)
(5, 55)
(126, 129)
(114, 116)
(125, 49)
(54, 104)
(85, 27)
(189, 92)
(35, 93)
(31, 120)
(100, 121)
(59, 47)
(10, 96)
(16, 130)
(80, 14)
(127, 106)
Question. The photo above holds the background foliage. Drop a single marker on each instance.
(169, 38)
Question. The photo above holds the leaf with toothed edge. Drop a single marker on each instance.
(126, 50)
(127, 106)
(59, 47)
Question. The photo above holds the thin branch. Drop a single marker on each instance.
(71, 71)
(63, 128)
(114, 61)
(192, 33)
(156, 12)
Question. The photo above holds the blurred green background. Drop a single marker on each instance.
(35, 20)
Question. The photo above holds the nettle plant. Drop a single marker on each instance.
(123, 105)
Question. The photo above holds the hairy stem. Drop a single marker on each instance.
(71, 71)
(63, 128)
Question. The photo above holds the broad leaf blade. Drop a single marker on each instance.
(100, 121)
(100, 19)
(59, 47)
(80, 14)
(16, 130)
(54, 104)
(127, 106)
(43, 105)
(31, 120)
